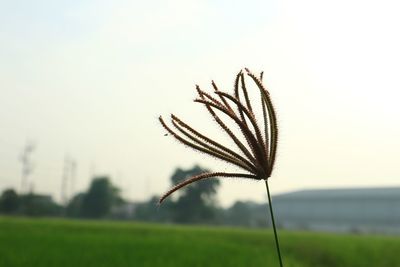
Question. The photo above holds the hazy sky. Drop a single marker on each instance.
(88, 79)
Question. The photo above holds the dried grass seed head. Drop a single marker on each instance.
(257, 156)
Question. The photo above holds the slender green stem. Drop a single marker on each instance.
(273, 224)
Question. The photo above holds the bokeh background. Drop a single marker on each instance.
(82, 84)
(87, 80)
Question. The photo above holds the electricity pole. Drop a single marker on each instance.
(27, 166)
(64, 180)
(68, 179)
(73, 166)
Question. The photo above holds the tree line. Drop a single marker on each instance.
(195, 204)
(96, 202)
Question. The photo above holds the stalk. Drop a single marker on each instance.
(273, 224)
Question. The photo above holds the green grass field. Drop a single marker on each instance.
(49, 242)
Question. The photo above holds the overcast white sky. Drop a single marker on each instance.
(88, 79)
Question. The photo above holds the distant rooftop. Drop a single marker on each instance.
(379, 192)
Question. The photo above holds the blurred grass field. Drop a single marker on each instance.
(54, 242)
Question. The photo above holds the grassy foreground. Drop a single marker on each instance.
(49, 242)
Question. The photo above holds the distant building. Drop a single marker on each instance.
(340, 210)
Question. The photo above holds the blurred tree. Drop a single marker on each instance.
(74, 207)
(147, 211)
(240, 214)
(9, 201)
(39, 205)
(196, 203)
(246, 213)
(99, 199)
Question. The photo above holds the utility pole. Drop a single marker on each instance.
(27, 166)
(68, 179)
(73, 166)
(64, 180)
